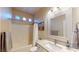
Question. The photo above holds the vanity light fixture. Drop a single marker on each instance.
(24, 19)
(30, 20)
(17, 17)
(7, 16)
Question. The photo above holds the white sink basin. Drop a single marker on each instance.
(50, 46)
(53, 47)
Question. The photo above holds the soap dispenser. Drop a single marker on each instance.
(67, 45)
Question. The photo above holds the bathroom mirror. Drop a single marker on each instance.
(56, 26)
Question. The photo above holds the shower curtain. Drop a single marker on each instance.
(2, 42)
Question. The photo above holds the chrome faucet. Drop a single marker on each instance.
(55, 41)
(68, 45)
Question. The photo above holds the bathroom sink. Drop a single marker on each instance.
(49, 45)
(53, 47)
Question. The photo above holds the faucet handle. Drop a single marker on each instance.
(55, 41)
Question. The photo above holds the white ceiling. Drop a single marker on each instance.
(30, 10)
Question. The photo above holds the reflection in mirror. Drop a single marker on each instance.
(56, 26)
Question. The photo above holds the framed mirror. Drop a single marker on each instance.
(56, 26)
(59, 25)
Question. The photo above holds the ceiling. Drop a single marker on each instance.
(30, 10)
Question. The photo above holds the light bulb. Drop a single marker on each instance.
(30, 20)
(24, 19)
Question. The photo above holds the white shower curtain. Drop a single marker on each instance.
(35, 34)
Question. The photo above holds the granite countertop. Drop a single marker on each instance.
(51, 47)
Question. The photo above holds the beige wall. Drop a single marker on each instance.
(5, 26)
(42, 12)
(76, 14)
